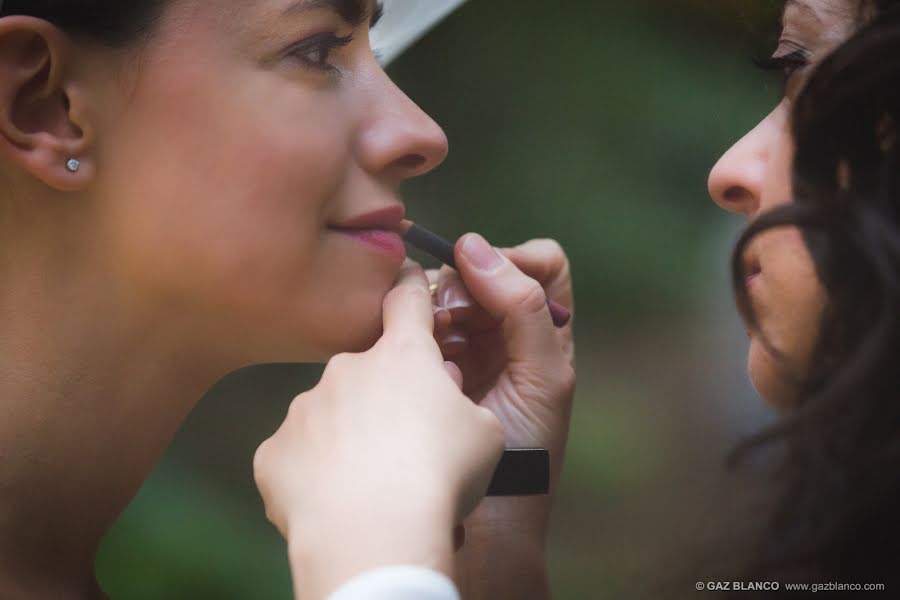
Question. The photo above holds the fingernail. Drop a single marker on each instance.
(442, 317)
(480, 253)
(453, 343)
(454, 338)
(453, 297)
(561, 315)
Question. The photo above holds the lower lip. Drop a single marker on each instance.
(752, 278)
(384, 242)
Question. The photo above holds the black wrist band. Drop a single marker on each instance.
(521, 472)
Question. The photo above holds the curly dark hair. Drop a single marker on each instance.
(836, 512)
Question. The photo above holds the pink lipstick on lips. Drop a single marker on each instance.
(377, 230)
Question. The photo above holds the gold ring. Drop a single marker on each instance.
(433, 288)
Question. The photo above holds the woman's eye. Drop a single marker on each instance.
(315, 51)
(787, 64)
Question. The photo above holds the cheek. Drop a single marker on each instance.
(789, 302)
(767, 375)
(222, 203)
(776, 186)
(237, 189)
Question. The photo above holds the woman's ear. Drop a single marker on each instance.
(42, 123)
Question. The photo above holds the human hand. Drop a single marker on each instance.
(517, 364)
(378, 462)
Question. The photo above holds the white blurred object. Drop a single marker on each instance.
(404, 22)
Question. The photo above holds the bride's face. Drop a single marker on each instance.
(243, 137)
(755, 176)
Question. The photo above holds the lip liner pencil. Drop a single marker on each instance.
(436, 246)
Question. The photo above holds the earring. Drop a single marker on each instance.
(72, 165)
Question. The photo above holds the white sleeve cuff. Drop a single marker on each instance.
(397, 583)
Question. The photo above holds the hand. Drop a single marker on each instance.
(517, 364)
(377, 463)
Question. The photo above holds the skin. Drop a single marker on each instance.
(178, 252)
(194, 241)
(753, 177)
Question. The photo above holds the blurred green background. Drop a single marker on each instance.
(595, 123)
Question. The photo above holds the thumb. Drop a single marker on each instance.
(509, 296)
(454, 373)
(407, 308)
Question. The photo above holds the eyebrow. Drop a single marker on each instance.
(801, 5)
(354, 12)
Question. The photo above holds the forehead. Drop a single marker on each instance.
(223, 25)
(830, 20)
(222, 12)
(352, 11)
(821, 10)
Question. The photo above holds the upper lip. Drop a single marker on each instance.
(387, 218)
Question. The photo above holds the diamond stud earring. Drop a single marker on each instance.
(72, 165)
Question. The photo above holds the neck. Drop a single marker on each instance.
(91, 398)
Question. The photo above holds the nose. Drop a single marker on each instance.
(736, 180)
(398, 139)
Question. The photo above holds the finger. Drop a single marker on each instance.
(442, 320)
(473, 321)
(545, 261)
(453, 295)
(542, 259)
(442, 317)
(453, 342)
(518, 301)
(432, 275)
(407, 308)
(455, 373)
(459, 537)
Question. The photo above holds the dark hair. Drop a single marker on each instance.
(116, 23)
(836, 509)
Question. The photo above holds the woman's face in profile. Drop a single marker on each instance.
(755, 176)
(243, 135)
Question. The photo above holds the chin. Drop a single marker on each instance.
(350, 336)
(767, 379)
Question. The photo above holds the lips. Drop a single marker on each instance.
(376, 230)
(752, 269)
(384, 219)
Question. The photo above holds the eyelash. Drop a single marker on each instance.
(321, 45)
(788, 65)
(377, 14)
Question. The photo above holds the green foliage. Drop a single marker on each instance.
(181, 539)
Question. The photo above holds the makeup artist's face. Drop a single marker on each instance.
(249, 131)
(754, 176)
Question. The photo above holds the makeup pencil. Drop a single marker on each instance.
(439, 248)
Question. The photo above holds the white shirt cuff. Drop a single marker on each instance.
(397, 583)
